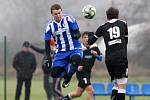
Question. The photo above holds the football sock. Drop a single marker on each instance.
(68, 97)
(114, 94)
(121, 94)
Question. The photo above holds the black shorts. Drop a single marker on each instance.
(117, 68)
(83, 79)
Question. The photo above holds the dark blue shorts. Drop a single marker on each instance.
(62, 59)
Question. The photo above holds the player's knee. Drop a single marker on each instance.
(89, 90)
(79, 94)
(75, 59)
(122, 83)
(56, 72)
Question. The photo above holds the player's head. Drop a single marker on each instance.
(85, 37)
(56, 12)
(112, 13)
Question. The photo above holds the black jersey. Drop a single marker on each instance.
(115, 34)
(89, 59)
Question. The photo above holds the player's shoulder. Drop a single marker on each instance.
(123, 21)
(49, 22)
(116, 20)
(69, 17)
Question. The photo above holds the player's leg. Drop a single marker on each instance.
(89, 90)
(75, 59)
(77, 93)
(81, 86)
(114, 91)
(111, 71)
(68, 76)
(121, 88)
(57, 72)
(59, 64)
(121, 76)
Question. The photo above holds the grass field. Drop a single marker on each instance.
(38, 93)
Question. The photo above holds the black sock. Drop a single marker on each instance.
(120, 96)
(114, 94)
(67, 97)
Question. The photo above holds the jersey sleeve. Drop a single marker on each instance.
(99, 54)
(47, 33)
(47, 41)
(72, 23)
(98, 32)
(93, 38)
(95, 48)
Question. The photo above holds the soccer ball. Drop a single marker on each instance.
(89, 11)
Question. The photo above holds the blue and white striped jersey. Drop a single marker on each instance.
(63, 33)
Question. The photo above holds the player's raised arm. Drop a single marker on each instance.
(93, 37)
(47, 38)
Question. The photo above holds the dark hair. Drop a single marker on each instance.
(85, 33)
(55, 7)
(26, 44)
(112, 13)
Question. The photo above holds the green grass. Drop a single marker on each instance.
(38, 93)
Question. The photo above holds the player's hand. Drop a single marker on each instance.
(94, 52)
(80, 68)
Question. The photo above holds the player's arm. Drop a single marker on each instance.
(47, 46)
(93, 38)
(96, 52)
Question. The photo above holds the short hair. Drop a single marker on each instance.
(85, 33)
(55, 7)
(112, 13)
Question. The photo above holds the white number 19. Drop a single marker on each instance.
(114, 32)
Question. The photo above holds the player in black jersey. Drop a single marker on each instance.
(90, 53)
(115, 34)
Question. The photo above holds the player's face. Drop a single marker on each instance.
(85, 39)
(57, 14)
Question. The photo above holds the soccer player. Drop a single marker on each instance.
(115, 34)
(90, 53)
(65, 32)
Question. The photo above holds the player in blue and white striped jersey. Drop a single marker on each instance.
(65, 31)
